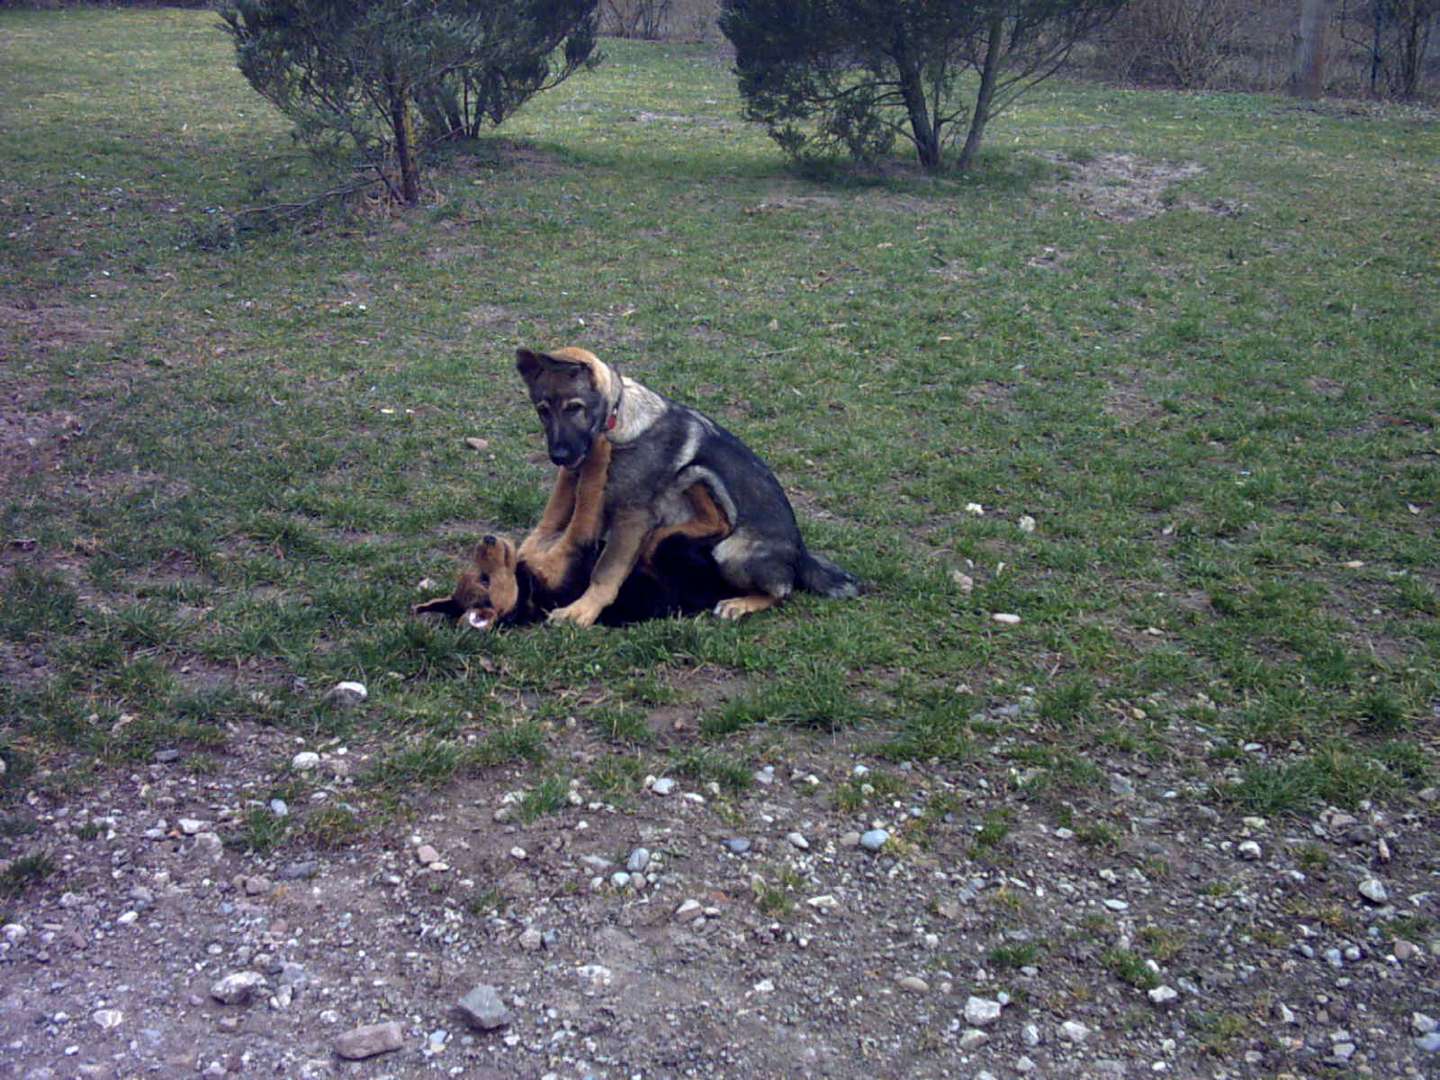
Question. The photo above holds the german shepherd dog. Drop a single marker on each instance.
(506, 585)
(659, 452)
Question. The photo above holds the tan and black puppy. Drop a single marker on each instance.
(659, 450)
(676, 575)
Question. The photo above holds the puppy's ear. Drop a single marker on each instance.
(529, 364)
(447, 606)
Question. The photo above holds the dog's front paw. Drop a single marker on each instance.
(582, 612)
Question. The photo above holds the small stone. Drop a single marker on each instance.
(1121, 786)
(279, 807)
(850, 839)
(972, 1038)
(1422, 1024)
(1373, 889)
(594, 977)
(638, 861)
(107, 1019)
(1405, 950)
(913, 983)
(874, 839)
(298, 871)
(765, 775)
(532, 940)
(370, 1039)
(166, 757)
(964, 580)
(737, 845)
(476, 443)
(257, 885)
(824, 902)
(346, 694)
(1074, 1031)
(519, 854)
(1116, 905)
(483, 1008)
(1006, 617)
(689, 911)
(1030, 1035)
(191, 826)
(1284, 1013)
(1024, 1065)
(798, 840)
(237, 987)
(305, 761)
(764, 986)
(1027, 523)
(1249, 850)
(1163, 995)
(13, 933)
(662, 787)
(425, 855)
(1429, 1043)
(981, 1012)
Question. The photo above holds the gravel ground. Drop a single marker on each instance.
(946, 927)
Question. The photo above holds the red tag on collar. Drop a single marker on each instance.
(611, 425)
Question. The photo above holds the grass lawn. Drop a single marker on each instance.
(1193, 337)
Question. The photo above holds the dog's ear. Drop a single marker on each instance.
(529, 364)
(447, 606)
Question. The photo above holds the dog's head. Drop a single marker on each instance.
(488, 589)
(575, 394)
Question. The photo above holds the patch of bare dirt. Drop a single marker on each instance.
(491, 317)
(1129, 398)
(1123, 187)
(38, 327)
(31, 439)
(683, 930)
(1049, 258)
(991, 395)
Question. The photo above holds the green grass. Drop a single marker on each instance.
(24, 872)
(1129, 967)
(549, 796)
(1220, 423)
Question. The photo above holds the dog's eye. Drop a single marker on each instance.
(485, 580)
(542, 408)
(574, 408)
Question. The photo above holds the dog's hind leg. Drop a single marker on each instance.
(709, 521)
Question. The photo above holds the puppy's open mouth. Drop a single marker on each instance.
(478, 621)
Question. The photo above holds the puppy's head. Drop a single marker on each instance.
(488, 589)
(575, 395)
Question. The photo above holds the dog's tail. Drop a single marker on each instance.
(819, 575)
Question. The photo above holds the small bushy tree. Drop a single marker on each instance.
(363, 72)
(854, 75)
(1396, 34)
(1183, 43)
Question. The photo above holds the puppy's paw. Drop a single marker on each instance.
(582, 612)
(551, 566)
(737, 607)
